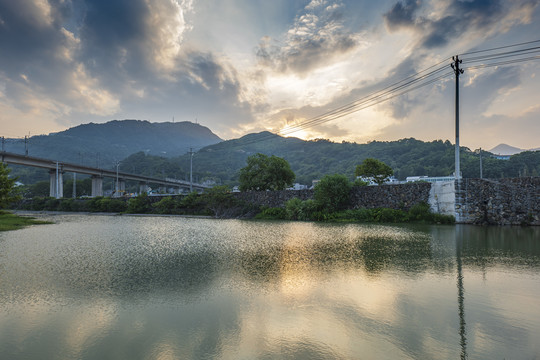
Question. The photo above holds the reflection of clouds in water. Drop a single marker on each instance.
(159, 287)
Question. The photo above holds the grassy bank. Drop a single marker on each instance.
(9, 221)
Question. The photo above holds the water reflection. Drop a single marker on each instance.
(461, 297)
(89, 287)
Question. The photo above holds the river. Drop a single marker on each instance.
(128, 287)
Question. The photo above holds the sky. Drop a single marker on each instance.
(243, 66)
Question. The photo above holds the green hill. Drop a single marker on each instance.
(313, 159)
(101, 145)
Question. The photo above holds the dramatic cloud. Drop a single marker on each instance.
(402, 14)
(448, 20)
(317, 36)
(240, 65)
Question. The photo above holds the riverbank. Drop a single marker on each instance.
(10, 221)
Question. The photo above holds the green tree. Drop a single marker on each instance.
(219, 200)
(375, 169)
(266, 173)
(8, 192)
(332, 192)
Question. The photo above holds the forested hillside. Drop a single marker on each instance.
(313, 159)
(101, 145)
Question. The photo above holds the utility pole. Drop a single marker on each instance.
(74, 185)
(481, 175)
(117, 191)
(57, 194)
(3, 144)
(190, 169)
(26, 145)
(457, 72)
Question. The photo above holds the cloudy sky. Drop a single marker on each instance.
(240, 66)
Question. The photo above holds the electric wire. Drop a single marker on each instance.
(501, 47)
(370, 97)
(501, 63)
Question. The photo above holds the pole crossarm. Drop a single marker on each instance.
(20, 159)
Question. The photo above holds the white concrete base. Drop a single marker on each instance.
(442, 198)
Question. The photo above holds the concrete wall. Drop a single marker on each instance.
(442, 197)
(512, 201)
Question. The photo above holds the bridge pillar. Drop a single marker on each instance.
(120, 188)
(54, 182)
(97, 186)
(143, 187)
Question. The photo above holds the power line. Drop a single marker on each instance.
(521, 52)
(501, 63)
(500, 47)
(370, 97)
(409, 84)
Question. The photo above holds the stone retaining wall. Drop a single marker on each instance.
(514, 201)
(273, 198)
(388, 196)
(401, 196)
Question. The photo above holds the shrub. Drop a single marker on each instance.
(272, 214)
(66, 205)
(332, 192)
(190, 201)
(293, 209)
(116, 205)
(38, 203)
(139, 204)
(166, 206)
(297, 209)
(51, 204)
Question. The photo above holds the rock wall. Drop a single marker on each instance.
(401, 196)
(273, 198)
(389, 196)
(514, 201)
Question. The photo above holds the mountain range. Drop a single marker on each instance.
(102, 144)
(160, 149)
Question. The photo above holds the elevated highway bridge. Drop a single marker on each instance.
(58, 168)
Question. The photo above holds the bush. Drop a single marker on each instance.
(272, 214)
(219, 200)
(332, 192)
(297, 209)
(166, 206)
(51, 204)
(66, 205)
(38, 203)
(191, 201)
(116, 205)
(139, 204)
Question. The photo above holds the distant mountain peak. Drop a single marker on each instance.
(504, 149)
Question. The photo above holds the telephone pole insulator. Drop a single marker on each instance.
(457, 72)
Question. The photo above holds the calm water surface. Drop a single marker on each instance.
(122, 287)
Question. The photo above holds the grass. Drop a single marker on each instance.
(9, 221)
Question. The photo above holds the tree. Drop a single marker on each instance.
(375, 169)
(332, 192)
(8, 192)
(266, 173)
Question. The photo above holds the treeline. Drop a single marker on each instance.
(312, 160)
(216, 202)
